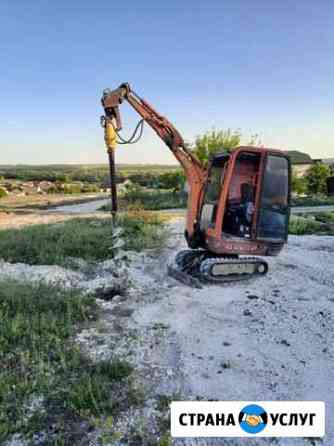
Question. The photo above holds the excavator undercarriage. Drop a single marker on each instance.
(195, 267)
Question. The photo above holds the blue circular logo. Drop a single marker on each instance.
(253, 419)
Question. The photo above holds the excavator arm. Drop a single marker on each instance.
(162, 127)
(195, 172)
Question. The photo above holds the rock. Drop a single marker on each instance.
(247, 312)
(225, 365)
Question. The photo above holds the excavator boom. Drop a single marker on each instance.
(163, 128)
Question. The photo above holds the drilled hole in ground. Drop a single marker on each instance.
(108, 293)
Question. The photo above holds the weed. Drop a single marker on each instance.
(164, 402)
(165, 440)
(163, 420)
(309, 225)
(154, 200)
(86, 238)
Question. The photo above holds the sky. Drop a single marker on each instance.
(262, 66)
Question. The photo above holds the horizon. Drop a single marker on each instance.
(262, 68)
(121, 164)
(88, 164)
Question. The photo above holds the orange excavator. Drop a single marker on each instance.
(238, 204)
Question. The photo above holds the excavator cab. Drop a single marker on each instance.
(246, 202)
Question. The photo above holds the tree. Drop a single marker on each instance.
(316, 178)
(215, 141)
(171, 180)
(299, 184)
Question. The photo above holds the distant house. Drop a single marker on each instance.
(300, 162)
(28, 184)
(28, 188)
(45, 187)
(328, 161)
(7, 185)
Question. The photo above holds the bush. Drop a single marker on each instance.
(308, 225)
(316, 178)
(89, 239)
(325, 217)
(72, 188)
(171, 180)
(154, 200)
(144, 179)
(3, 192)
(90, 188)
(52, 190)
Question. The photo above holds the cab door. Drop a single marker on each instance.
(274, 205)
(211, 197)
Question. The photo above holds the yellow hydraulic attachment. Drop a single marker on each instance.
(110, 136)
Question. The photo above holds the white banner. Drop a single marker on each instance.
(248, 419)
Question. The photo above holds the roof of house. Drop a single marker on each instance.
(329, 161)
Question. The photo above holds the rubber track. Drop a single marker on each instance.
(207, 265)
(193, 267)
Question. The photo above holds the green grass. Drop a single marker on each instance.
(40, 360)
(88, 239)
(319, 224)
(152, 200)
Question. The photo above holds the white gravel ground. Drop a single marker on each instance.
(266, 339)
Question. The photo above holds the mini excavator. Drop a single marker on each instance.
(238, 204)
